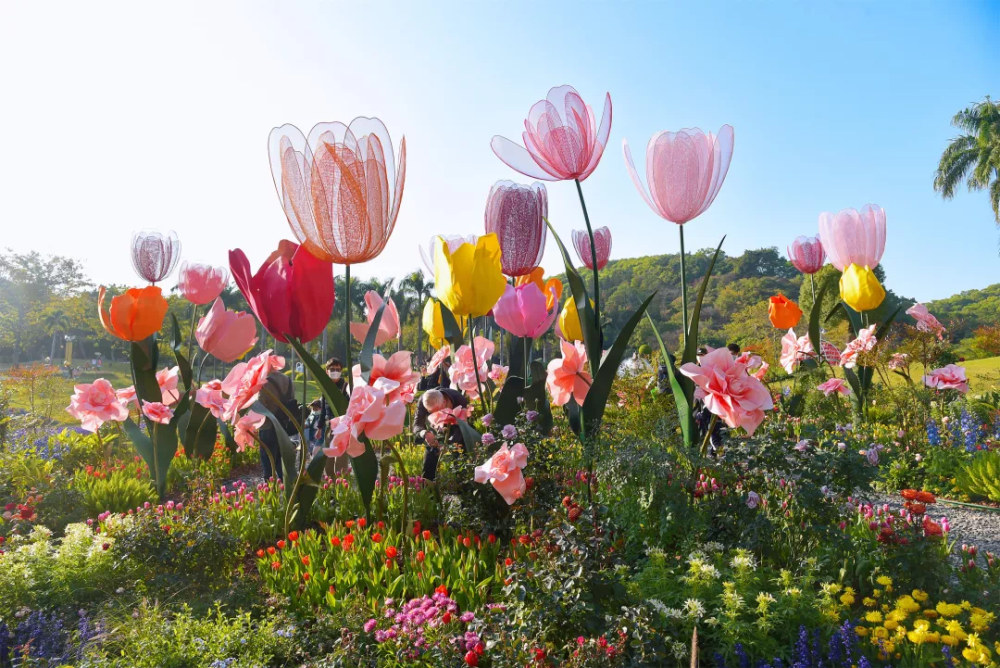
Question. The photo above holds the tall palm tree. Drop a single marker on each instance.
(56, 321)
(417, 286)
(973, 157)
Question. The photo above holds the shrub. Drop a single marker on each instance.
(981, 476)
(119, 491)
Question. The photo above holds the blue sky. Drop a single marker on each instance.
(121, 117)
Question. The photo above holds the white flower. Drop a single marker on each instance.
(694, 608)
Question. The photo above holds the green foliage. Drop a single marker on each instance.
(118, 492)
(981, 476)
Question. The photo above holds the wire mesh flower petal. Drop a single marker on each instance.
(853, 237)
(517, 215)
(155, 255)
(806, 254)
(602, 244)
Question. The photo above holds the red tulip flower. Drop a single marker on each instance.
(201, 283)
(602, 244)
(561, 140)
(684, 170)
(516, 214)
(291, 294)
(806, 254)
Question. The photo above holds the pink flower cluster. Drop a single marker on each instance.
(245, 381)
(925, 321)
(567, 377)
(95, 403)
(413, 619)
(728, 390)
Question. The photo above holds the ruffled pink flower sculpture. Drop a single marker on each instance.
(368, 413)
(567, 377)
(95, 403)
(504, 471)
(602, 244)
(521, 311)
(246, 380)
(463, 372)
(951, 377)
(685, 171)
(397, 377)
(245, 430)
(838, 385)
(794, 349)
(157, 411)
(226, 335)
(853, 237)
(388, 326)
(210, 396)
(516, 214)
(925, 321)
(728, 391)
(864, 343)
(168, 380)
(562, 141)
(201, 283)
(806, 254)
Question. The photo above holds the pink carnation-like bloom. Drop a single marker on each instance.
(728, 391)
(167, 379)
(448, 416)
(127, 396)
(157, 411)
(498, 374)
(440, 356)
(561, 139)
(463, 372)
(864, 343)
(834, 385)
(246, 427)
(504, 471)
(794, 349)
(388, 326)
(399, 380)
(210, 396)
(567, 377)
(749, 360)
(95, 403)
(925, 321)
(245, 381)
(806, 254)
(951, 377)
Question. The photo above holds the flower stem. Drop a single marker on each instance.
(347, 328)
(593, 258)
(475, 364)
(194, 314)
(684, 291)
(708, 435)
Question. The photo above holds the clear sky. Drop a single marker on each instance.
(121, 116)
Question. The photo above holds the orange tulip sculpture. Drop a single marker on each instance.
(783, 312)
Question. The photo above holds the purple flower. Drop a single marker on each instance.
(467, 617)
(753, 499)
(489, 439)
(872, 455)
(370, 625)
(531, 416)
(509, 431)
(488, 420)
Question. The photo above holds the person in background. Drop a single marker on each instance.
(734, 348)
(277, 391)
(439, 377)
(335, 370)
(314, 425)
(431, 402)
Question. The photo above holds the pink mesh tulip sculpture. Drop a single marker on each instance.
(155, 255)
(853, 237)
(602, 246)
(201, 283)
(562, 141)
(728, 391)
(226, 335)
(95, 403)
(685, 171)
(522, 311)
(806, 254)
(503, 471)
(388, 326)
(516, 214)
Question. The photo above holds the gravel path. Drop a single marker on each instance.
(968, 525)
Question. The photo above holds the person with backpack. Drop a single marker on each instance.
(278, 392)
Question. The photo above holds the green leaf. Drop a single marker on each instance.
(157, 451)
(309, 489)
(227, 436)
(853, 317)
(588, 321)
(334, 397)
(597, 397)
(678, 383)
(176, 344)
(537, 400)
(286, 448)
(365, 468)
(368, 348)
(143, 359)
(199, 428)
(516, 347)
(575, 418)
(815, 313)
(691, 339)
(506, 409)
(469, 435)
(453, 332)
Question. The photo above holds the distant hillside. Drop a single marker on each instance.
(735, 307)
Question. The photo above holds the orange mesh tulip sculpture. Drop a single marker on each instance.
(783, 312)
(135, 315)
(340, 188)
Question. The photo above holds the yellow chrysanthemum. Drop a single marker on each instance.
(965, 605)
(948, 609)
(891, 624)
(874, 617)
(951, 641)
(907, 604)
(880, 633)
(919, 595)
(861, 631)
(921, 625)
(847, 599)
(884, 580)
(868, 602)
(930, 614)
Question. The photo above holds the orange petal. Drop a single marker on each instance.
(149, 310)
(104, 314)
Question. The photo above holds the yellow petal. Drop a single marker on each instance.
(860, 289)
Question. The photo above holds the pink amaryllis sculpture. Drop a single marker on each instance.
(340, 188)
(562, 142)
